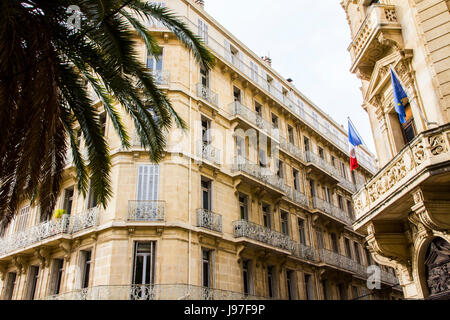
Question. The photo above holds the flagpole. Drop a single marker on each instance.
(412, 101)
(354, 127)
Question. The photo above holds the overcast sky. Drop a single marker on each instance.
(307, 41)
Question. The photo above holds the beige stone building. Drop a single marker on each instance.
(254, 200)
(404, 210)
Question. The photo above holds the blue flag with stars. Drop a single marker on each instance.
(400, 97)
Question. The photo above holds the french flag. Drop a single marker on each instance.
(354, 140)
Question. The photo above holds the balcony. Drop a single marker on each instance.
(331, 210)
(290, 148)
(209, 220)
(379, 29)
(298, 197)
(207, 94)
(305, 252)
(46, 231)
(152, 292)
(253, 231)
(208, 152)
(262, 175)
(146, 211)
(161, 77)
(349, 186)
(412, 166)
(339, 261)
(323, 165)
(255, 120)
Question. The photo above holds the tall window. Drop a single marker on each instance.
(258, 108)
(267, 218)
(343, 171)
(325, 289)
(102, 121)
(306, 143)
(240, 147)
(204, 75)
(357, 255)
(301, 231)
(207, 268)
(92, 199)
(319, 236)
(334, 242)
(280, 169)
(309, 288)
(56, 276)
(237, 94)
(203, 31)
(147, 183)
(327, 194)
(342, 292)
(247, 277)
(32, 282)
(275, 123)
(271, 283)
(10, 284)
(85, 266)
(291, 134)
(348, 250)
(408, 128)
(296, 177)
(22, 219)
(312, 188)
(144, 263)
(368, 257)
(350, 209)
(206, 194)
(254, 71)
(243, 206)
(290, 284)
(68, 200)
(355, 292)
(341, 202)
(321, 153)
(206, 132)
(155, 63)
(284, 222)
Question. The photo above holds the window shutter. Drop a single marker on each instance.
(148, 183)
(206, 37)
(227, 50)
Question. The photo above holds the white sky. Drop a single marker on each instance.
(307, 41)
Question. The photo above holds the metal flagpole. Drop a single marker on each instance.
(412, 100)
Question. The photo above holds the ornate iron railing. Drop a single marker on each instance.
(265, 175)
(207, 94)
(305, 252)
(347, 184)
(237, 109)
(331, 210)
(247, 229)
(145, 210)
(152, 292)
(42, 231)
(209, 220)
(208, 152)
(290, 148)
(298, 197)
(321, 163)
(338, 260)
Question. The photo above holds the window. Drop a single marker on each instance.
(274, 121)
(258, 108)
(290, 284)
(247, 277)
(92, 199)
(291, 134)
(280, 169)
(32, 282)
(206, 194)
(342, 291)
(68, 200)
(358, 257)
(334, 242)
(235, 56)
(262, 158)
(56, 276)
(353, 177)
(254, 71)
(319, 236)
(85, 267)
(355, 292)
(271, 283)
(243, 206)
(343, 171)
(10, 284)
(333, 161)
(102, 120)
(240, 147)
(284, 222)
(207, 280)
(144, 263)
(321, 153)
(237, 94)
(147, 183)
(204, 77)
(327, 194)
(306, 142)
(267, 219)
(340, 202)
(296, 177)
(312, 188)
(22, 219)
(203, 31)
(155, 63)
(348, 250)
(301, 231)
(368, 257)
(350, 209)
(325, 290)
(206, 132)
(309, 289)
(408, 130)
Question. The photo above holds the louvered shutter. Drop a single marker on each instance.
(227, 50)
(147, 183)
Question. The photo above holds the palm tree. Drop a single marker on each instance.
(46, 67)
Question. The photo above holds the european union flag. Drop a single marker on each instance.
(400, 97)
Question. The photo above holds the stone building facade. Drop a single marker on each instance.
(254, 200)
(404, 210)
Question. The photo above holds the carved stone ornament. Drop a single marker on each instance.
(437, 265)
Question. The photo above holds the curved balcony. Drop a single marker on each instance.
(146, 211)
(208, 152)
(207, 94)
(151, 292)
(253, 231)
(209, 220)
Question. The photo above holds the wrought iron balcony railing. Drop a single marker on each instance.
(347, 184)
(338, 260)
(321, 163)
(265, 175)
(305, 252)
(250, 230)
(237, 109)
(297, 197)
(209, 220)
(146, 210)
(207, 94)
(67, 224)
(152, 292)
(208, 152)
(331, 210)
(290, 148)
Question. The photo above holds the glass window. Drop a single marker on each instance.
(309, 289)
(206, 194)
(271, 283)
(334, 242)
(356, 247)
(284, 222)
(301, 231)
(10, 284)
(144, 263)
(68, 200)
(243, 206)
(267, 219)
(56, 276)
(206, 268)
(32, 282)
